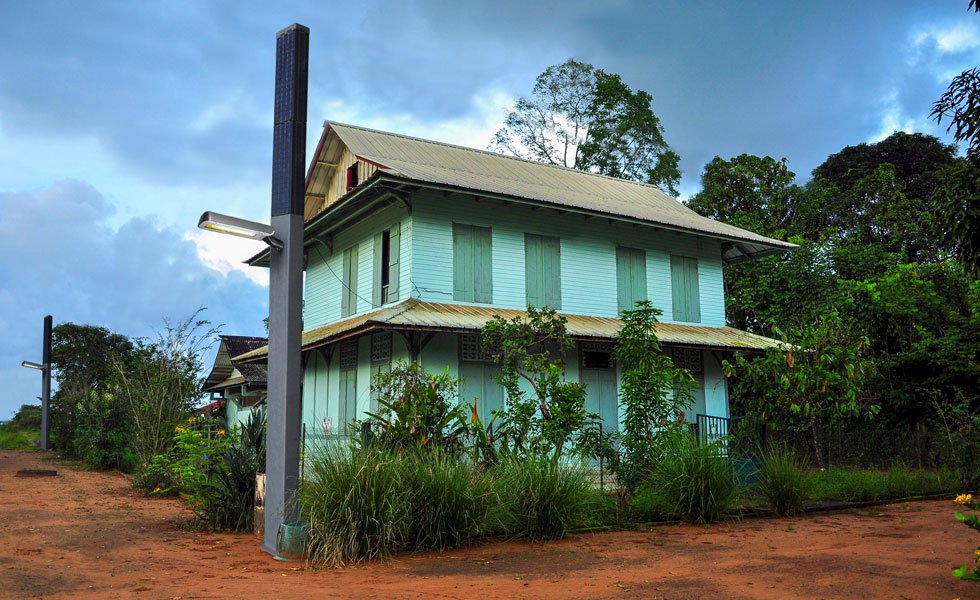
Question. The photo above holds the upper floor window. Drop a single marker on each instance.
(352, 179)
(685, 289)
(348, 295)
(386, 251)
(631, 277)
(472, 266)
(542, 270)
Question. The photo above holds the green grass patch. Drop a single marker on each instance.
(18, 439)
(864, 485)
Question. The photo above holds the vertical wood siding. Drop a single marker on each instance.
(588, 256)
(322, 298)
(337, 184)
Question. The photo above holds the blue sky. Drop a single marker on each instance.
(120, 122)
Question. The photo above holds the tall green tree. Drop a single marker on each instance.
(82, 358)
(584, 118)
(957, 203)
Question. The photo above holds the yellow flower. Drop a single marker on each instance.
(191, 420)
(156, 490)
(179, 429)
(964, 499)
(976, 554)
(221, 432)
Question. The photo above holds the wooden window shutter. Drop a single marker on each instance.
(393, 262)
(348, 297)
(542, 263)
(532, 270)
(462, 262)
(631, 277)
(376, 299)
(482, 265)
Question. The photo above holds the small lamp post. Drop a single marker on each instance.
(285, 238)
(45, 368)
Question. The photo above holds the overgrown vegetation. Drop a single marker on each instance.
(863, 485)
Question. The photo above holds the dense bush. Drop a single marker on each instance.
(101, 432)
(213, 469)
(693, 482)
(21, 431)
(27, 418)
(781, 481)
(226, 498)
(543, 499)
(417, 410)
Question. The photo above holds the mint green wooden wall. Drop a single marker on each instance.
(325, 268)
(321, 391)
(588, 256)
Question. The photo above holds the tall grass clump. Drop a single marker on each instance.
(781, 481)
(692, 482)
(542, 499)
(356, 503)
(369, 503)
(451, 501)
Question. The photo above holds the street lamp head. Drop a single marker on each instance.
(239, 227)
(32, 365)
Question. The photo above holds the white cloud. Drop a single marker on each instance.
(893, 118)
(235, 108)
(474, 129)
(225, 253)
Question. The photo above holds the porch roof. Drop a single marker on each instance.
(417, 315)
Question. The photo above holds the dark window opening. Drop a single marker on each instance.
(596, 359)
(352, 177)
(385, 261)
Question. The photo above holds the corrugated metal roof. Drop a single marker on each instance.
(479, 170)
(414, 314)
(225, 365)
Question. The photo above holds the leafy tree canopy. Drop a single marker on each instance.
(83, 354)
(584, 118)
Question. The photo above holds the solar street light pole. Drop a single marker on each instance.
(286, 281)
(46, 382)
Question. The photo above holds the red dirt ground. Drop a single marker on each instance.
(86, 534)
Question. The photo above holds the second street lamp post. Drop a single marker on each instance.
(45, 368)
(285, 238)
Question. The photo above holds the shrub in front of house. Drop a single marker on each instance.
(692, 482)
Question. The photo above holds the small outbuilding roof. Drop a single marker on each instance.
(228, 372)
(417, 315)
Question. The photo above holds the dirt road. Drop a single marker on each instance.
(88, 535)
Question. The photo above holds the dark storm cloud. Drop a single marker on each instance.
(62, 259)
(181, 92)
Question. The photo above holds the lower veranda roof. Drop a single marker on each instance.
(418, 315)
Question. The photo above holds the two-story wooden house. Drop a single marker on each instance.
(412, 245)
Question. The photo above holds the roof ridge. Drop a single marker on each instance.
(506, 156)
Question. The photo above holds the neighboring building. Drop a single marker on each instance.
(240, 386)
(412, 246)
